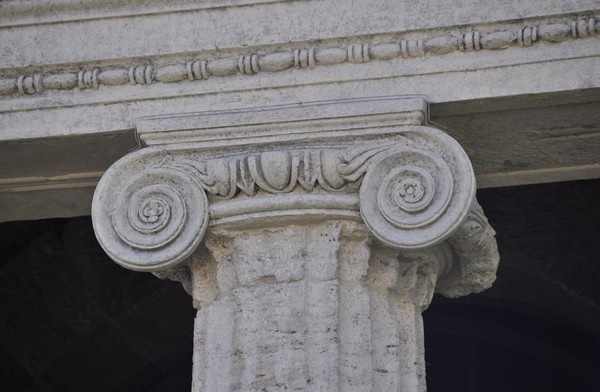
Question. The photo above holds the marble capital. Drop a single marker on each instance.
(369, 160)
(310, 236)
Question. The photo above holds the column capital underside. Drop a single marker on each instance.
(368, 161)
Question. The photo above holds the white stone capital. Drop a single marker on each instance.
(365, 160)
(326, 229)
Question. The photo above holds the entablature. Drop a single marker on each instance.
(110, 66)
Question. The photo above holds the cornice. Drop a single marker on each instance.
(198, 69)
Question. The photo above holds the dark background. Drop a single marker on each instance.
(72, 320)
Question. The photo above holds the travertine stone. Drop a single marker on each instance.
(274, 320)
(326, 229)
(312, 307)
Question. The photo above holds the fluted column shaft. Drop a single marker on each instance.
(311, 308)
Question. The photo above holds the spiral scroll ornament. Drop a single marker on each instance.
(413, 198)
(156, 220)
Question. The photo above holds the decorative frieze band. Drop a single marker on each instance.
(249, 64)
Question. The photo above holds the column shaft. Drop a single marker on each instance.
(310, 308)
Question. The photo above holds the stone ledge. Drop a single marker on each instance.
(326, 54)
(203, 30)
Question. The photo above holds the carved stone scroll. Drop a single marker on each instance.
(156, 218)
(416, 197)
(325, 229)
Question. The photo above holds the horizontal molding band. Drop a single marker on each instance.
(146, 73)
(485, 180)
(283, 207)
(67, 181)
(538, 176)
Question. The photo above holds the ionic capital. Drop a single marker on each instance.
(370, 161)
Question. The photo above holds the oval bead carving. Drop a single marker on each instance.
(412, 198)
(156, 220)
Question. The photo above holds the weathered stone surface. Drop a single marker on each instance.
(254, 169)
(145, 73)
(411, 185)
(544, 301)
(326, 227)
(100, 23)
(309, 308)
(546, 298)
(184, 57)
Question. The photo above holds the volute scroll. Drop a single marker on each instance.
(369, 160)
(149, 218)
(334, 221)
(416, 196)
